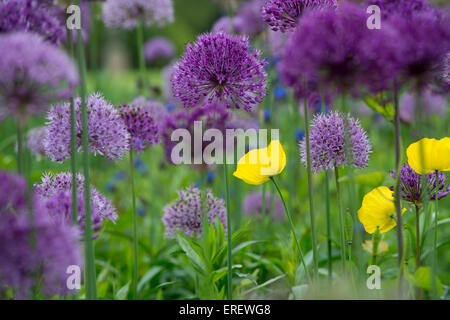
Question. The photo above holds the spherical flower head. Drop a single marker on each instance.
(259, 165)
(406, 8)
(108, 134)
(56, 247)
(185, 214)
(220, 67)
(248, 18)
(328, 142)
(141, 126)
(224, 24)
(12, 191)
(433, 104)
(208, 116)
(411, 185)
(378, 210)
(55, 192)
(35, 140)
(34, 74)
(32, 16)
(429, 155)
(159, 49)
(283, 15)
(129, 13)
(253, 206)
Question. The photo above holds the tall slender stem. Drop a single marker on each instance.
(310, 192)
(397, 191)
(291, 224)
(140, 47)
(91, 289)
(229, 256)
(435, 253)
(20, 142)
(417, 245)
(73, 141)
(341, 216)
(135, 233)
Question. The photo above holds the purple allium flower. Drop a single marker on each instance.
(283, 15)
(432, 104)
(224, 24)
(328, 148)
(406, 8)
(211, 116)
(55, 248)
(35, 140)
(220, 67)
(253, 206)
(411, 187)
(12, 192)
(108, 134)
(129, 13)
(33, 16)
(185, 214)
(155, 109)
(33, 74)
(139, 117)
(277, 42)
(55, 192)
(159, 49)
(167, 74)
(335, 49)
(248, 18)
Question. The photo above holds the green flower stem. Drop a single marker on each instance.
(91, 289)
(291, 224)
(73, 141)
(435, 253)
(20, 142)
(398, 209)
(418, 293)
(228, 203)
(310, 192)
(135, 233)
(140, 48)
(375, 243)
(341, 216)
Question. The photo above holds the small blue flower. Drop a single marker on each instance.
(120, 175)
(111, 186)
(279, 93)
(266, 115)
(299, 134)
(140, 165)
(210, 175)
(171, 107)
(276, 59)
(141, 211)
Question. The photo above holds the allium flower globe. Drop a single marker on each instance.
(248, 19)
(220, 67)
(252, 206)
(35, 140)
(185, 214)
(159, 49)
(108, 134)
(33, 74)
(328, 146)
(283, 15)
(128, 14)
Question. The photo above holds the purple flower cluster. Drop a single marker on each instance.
(33, 16)
(34, 73)
(433, 104)
(405, 8)
(108, 134)
(283, 15)
(55, 191)
(220, 67)
(159, 49)
(12, 190)
(139, 118)
(253, 206)
(248, 19)
(224, 24)
(129, 13)
(43, 266)
(411, 188)
(328, 145)
(185, 214)
(35, 140)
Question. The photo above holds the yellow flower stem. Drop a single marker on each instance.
(435, 253)
(310, 192)
(341, 217)
(397, 190)
(291, 224)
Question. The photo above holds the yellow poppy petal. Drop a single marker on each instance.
(428, 155)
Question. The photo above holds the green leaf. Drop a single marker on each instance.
(148, 276)
(383, 106)
(244, 245)
(122, 293)
(422, 279)
(373, 179)
(191, 253)
(265, 284)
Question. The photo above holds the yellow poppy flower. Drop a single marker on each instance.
(258, 165)
(436, 155)
(378, 210)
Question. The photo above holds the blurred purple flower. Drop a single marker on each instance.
(432, 104)
(220, 67)
(248, 19)
(253, 206)
(328, 147)
(33, 74)
(108, 134)
(159, 49)
(35, 140)
(185, 214)
(224, 24)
